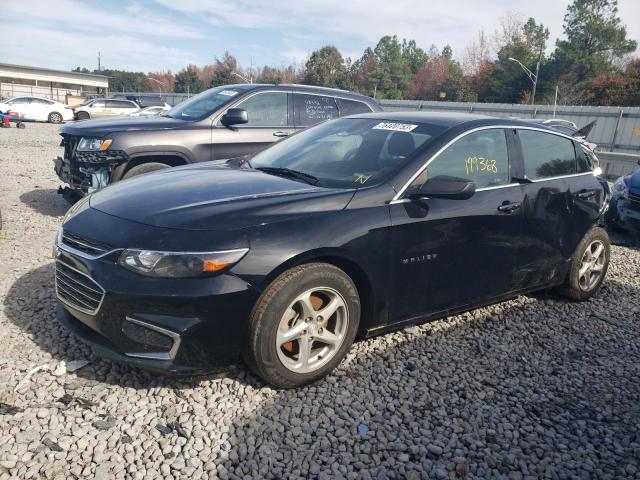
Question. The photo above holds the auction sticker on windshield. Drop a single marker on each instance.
(228, 93)
(396, 127)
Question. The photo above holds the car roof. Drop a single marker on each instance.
(305, 88)
(448, 119)
(29, 96)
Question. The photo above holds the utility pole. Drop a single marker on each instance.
(99, 66)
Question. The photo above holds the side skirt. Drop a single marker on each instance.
(430, 317)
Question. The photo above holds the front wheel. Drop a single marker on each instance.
(303, 325)
(589, 265)
(83, 116)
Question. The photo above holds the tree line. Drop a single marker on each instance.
(593, 64)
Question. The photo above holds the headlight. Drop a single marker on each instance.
(620, 188)
(94, 144)
(74, 209)
(179, 264)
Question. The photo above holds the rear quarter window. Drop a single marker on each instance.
(546, 155)
(352, 107)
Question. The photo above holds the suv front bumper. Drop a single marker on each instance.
(86, 172)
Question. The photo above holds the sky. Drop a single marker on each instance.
(160, 35)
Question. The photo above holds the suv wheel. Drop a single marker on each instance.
(145, 168)
(589, 265)
(55, 117)
(83, 116)
(303, 325)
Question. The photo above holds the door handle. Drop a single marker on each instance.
(509, 207)
(280, 134)
(586, 195)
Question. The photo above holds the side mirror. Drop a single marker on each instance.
(443, 186)
(234, 116)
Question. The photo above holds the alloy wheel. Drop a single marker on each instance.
(592, 266)
(55, 118)
(312, 330)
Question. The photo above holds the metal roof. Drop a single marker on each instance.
(53, 75)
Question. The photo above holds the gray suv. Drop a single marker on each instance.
(223, 122)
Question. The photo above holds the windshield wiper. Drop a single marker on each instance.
(287, 172)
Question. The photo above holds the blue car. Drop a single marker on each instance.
(624, 210)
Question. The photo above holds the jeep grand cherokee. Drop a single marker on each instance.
(223, 122)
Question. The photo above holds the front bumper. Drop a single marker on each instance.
(86, 171)
(171, 326)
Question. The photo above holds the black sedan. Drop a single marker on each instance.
(352, 228)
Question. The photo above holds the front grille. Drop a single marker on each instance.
(74, 176)
(77, 290)
(634, 196)
(109, 157)
(84, 244)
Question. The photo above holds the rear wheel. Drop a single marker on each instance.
(83, 116)
(589, 265)
(55, 117)
(145, 168)
(303, 325)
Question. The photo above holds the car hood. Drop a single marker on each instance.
(633, 181)
(215, 197)
(104, 126)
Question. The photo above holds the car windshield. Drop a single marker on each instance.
(348, 152)
(203, 104)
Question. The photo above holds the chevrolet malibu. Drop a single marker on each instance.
(352, 228)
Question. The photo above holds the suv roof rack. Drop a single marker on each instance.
(312, 86)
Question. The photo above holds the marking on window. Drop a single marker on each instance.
(396, 127)
(480, 164)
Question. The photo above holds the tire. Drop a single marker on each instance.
(83, 116)
(582, 287)
(55, 117)
(279, 309)
(144, 168)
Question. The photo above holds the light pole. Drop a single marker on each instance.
(532, 76)
(159, 83)
(248, 80)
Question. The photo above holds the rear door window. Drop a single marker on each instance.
(120, 104)
(480, 156)
(352, 107)
(546, 155)
(266, 109)
(311, 109)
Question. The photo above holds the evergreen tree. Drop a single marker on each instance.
(187, 80)
(595, 37)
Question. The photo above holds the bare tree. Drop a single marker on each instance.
(510, 30)
(476, 55)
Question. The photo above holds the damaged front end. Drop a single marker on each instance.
(87, 165)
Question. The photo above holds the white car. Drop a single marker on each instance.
(104, 107)
(151, 111)
(37, 108)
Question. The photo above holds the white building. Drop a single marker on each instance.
(18, 80)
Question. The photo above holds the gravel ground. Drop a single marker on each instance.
(536, 387)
